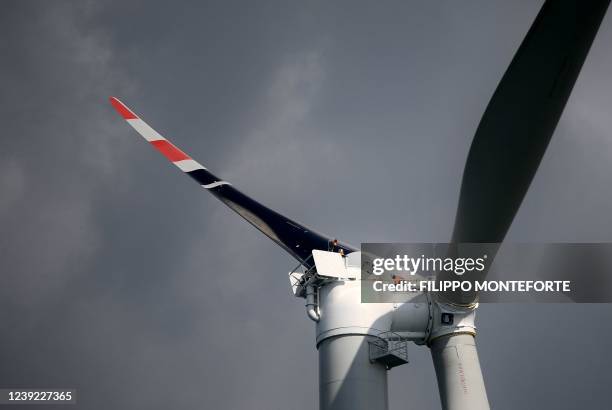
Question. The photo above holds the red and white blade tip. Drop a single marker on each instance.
(122, 109)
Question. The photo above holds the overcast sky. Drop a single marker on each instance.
(122, 278)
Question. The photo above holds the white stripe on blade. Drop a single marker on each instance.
(216, 184)
(188, 165)
(145, 130)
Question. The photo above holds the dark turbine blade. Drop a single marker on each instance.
(518, 123)
(298, 240)
(521, 117)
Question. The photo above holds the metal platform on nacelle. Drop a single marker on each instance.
(327, 266)
(389, 349)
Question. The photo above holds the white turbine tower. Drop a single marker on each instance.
(359, 342)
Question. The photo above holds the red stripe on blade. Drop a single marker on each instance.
(169, 151)
(124, 111)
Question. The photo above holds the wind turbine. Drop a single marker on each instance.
(359, 342)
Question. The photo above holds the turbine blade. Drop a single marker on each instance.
(521, 117)
(297, 239)
(457, 367)
(518, 123)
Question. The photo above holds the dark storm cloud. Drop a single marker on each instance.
(122, 278)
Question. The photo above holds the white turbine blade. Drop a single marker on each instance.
(460, 380)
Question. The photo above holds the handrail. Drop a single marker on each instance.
(306, 269)
(392, 343)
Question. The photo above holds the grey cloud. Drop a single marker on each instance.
(121, 277)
